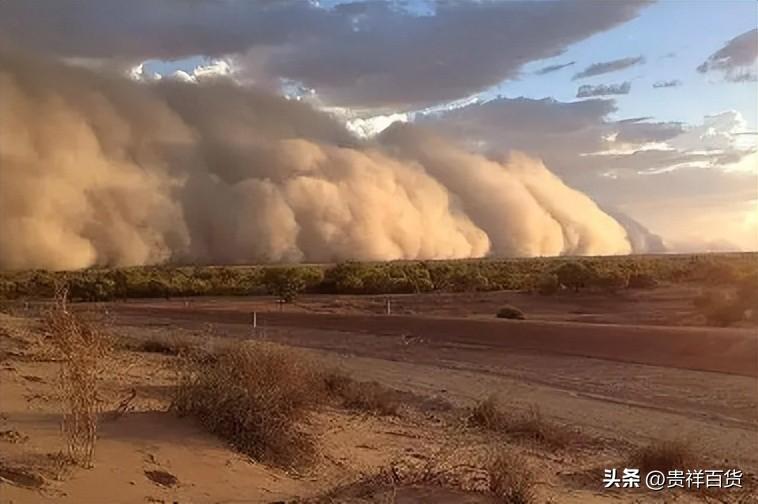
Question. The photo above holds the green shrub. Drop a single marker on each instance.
(574, 275)
(547, 284)
(91, 289)
(611, 280)
(345, 277)
(284, 283)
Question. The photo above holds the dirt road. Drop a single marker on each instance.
(627, 383)
(733, 351)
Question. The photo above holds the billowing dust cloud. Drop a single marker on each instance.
(100, 170)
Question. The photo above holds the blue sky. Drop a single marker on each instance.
(674, 36)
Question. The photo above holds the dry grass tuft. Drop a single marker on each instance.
(663, 456)
(510, 478)
(487, 414)
(252, 394)
(530, 426)
(83, 351)
(362, 396)
(170, 344)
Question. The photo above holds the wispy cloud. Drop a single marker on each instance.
(553, 68)
(667, 84)
(587, 90)
(736, 59)
(609, 66)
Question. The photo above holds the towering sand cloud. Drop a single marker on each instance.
(99, 170)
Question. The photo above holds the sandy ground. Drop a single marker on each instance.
(686, 383)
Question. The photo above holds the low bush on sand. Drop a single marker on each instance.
(510, 478)
(510, 312)
(546, 284)
(160, 343)
(530, 426)
(663, 456)
(371, 397)
(254, 395)
(725, 307)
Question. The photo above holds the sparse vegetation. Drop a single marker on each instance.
(510, 478)
(530, 426)
(663, 456)
(362, 396)
(167, 344)
(253, 395)
(82, 350)
(487, 414)
(510, 312)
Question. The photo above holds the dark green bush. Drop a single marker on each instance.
(611, 280)
(547, 284)
(91, 289)
(284, 283)
(574, 275)
(345, 277)
(384, 278)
